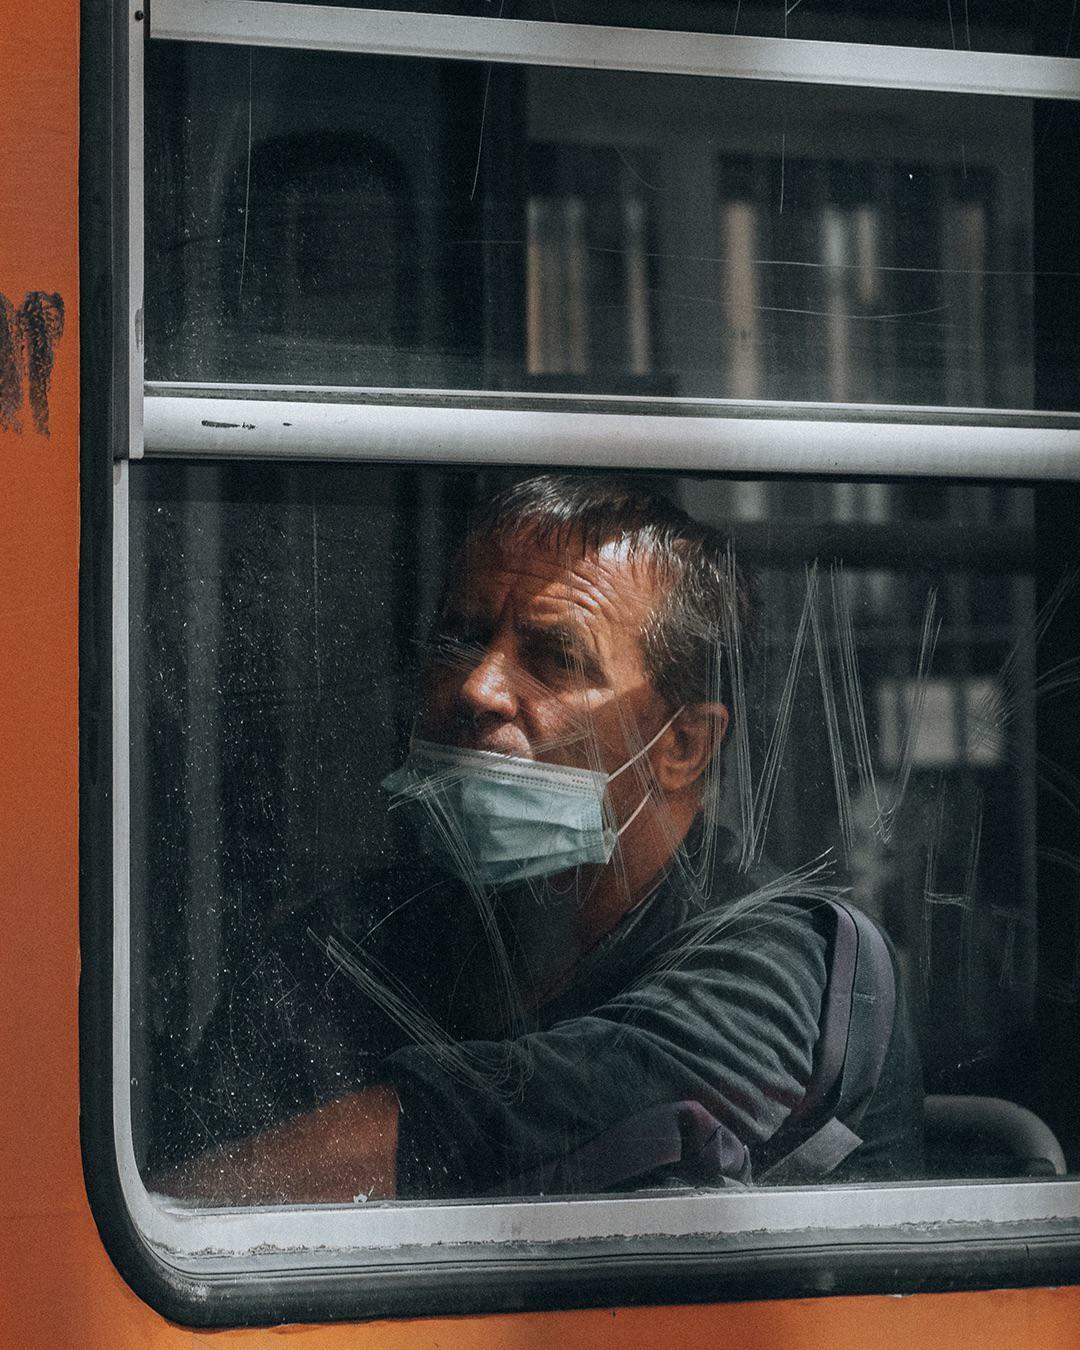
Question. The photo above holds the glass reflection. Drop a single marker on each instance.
(375, 221)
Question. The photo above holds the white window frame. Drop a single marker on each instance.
(458, 427)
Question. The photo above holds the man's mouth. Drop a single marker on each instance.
(504, 742)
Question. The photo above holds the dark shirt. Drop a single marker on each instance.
(708, 992)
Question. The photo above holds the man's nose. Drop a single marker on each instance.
(488, 688)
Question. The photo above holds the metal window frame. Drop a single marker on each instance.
(276, 23)
(688, 435)
(258, 1266)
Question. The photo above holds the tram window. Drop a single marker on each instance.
(515, 855)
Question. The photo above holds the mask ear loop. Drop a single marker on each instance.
(646, 748)
(633, 815)
(643, 751)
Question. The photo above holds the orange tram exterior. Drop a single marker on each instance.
(59, 1286)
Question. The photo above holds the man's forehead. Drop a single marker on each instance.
(553, 574)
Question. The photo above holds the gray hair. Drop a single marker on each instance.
(707, 616)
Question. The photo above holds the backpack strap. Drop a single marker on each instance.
(858, 1011)
(873, 1013)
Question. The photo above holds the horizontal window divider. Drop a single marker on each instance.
(663, 405)
(547, 43)
(692, 437)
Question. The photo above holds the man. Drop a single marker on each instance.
(577, 988)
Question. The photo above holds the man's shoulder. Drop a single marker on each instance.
(724, 925)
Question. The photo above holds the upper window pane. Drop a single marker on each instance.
(328, 219)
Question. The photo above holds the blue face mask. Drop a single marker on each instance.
(496, 819)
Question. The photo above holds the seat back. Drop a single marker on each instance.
(986, 1136)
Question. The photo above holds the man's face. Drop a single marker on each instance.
(539, 655)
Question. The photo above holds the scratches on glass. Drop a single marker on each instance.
(833, 734)
(810, 881)
(931, 628)
(247, 181)
(388, 992)
(996, 711)
(871, 737)
(961, 902)
(764, 791)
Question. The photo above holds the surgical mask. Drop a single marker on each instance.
(496, 819)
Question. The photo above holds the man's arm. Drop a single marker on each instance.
(730, 1023)
(331, 1155)
(728, 1020)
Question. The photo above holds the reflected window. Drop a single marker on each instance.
(355, 220)
(324, 233)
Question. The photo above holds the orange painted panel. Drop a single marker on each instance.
(39, 1165)
(72, 1297)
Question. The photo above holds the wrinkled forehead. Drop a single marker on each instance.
(611, 583)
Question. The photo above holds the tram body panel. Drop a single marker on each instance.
(48, 1244)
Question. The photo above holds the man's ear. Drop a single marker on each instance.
(689, 745)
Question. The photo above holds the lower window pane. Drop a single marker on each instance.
(510, 835)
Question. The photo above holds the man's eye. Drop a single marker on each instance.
(554, 656)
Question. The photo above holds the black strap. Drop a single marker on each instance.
(856, 1026)
(834, 1024)
(817, 1156)
(873, 1012)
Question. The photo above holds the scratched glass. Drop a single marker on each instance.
(1046, 29)
(898, 662)
(322, 219)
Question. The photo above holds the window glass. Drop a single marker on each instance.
(492, 833)
(317, 218)
(1046, 29)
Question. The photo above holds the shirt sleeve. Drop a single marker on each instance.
(727, 1019)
